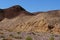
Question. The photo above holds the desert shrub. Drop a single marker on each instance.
(11, 35)
(28, 38)
(2, 36)
(18, 32)
(4, 39)
(51, 38)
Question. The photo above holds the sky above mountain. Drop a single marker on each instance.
(32, 5)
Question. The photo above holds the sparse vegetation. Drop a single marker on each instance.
(18, 37)
(28, 38)
(6, 39)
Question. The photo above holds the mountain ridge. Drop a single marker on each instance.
(18, 19)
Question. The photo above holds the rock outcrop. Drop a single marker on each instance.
(18, 19)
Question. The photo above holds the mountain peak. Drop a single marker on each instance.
(18, 8)
(11, 12)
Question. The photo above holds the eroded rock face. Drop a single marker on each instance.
(18, 19)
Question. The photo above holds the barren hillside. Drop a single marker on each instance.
(17, 19)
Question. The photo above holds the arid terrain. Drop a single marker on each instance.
(18, 24)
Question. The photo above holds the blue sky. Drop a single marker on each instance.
(32, 5)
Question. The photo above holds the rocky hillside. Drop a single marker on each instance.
(17, 19)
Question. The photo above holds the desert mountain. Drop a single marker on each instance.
(17, 19)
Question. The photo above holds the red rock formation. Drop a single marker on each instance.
(12, 12)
